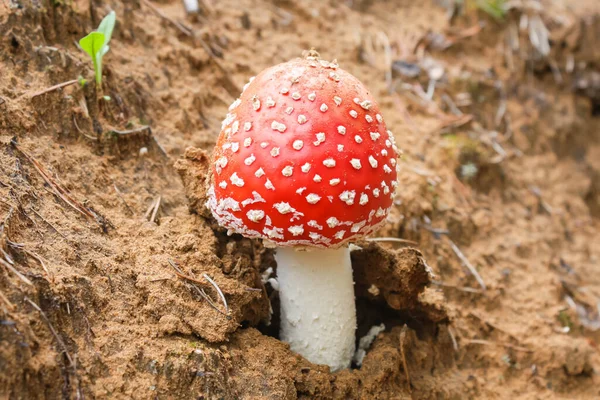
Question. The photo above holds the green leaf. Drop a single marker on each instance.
(96, 43)
(92, 44)
(106, 27)
(495, 8)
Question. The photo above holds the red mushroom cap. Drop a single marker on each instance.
(303, 158)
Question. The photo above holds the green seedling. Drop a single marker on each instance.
(96, 43)
(494, 8)
(82, 81)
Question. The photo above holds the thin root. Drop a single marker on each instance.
(404, 363)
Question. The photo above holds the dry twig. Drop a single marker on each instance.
(51, 88)
(122, 198)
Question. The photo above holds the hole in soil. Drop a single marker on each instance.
(595, 107)
(481, 175)
(369, 313)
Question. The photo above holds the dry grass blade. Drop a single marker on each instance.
(56, 188)
(131, 131)
(49, 224)
(14, 271)
(162, 15)
(392, 239)
(539, 35)
(201, 292)
(453, 338)
(120, 194)
(151, 212)
(218, 289)
(453, 121)
(5, 299)
(95, 139)
(508, 345)
(51, 327)
(153, 217)
(53, 88)
(189, 33)
(467, 264)
(216, 61)
(460, 288)
(41, 261)
(404, 363)
(160, 147)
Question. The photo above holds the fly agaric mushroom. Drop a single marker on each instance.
(305, 162)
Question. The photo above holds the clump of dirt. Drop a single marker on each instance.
(108, 253)
(399, 278)
(194, 171)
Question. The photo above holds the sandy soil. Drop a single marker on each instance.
(100, 202)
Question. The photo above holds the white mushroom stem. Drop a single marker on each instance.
(318, 313)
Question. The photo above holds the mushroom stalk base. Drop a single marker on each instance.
(318, 313)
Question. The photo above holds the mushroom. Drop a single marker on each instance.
(304, 161)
